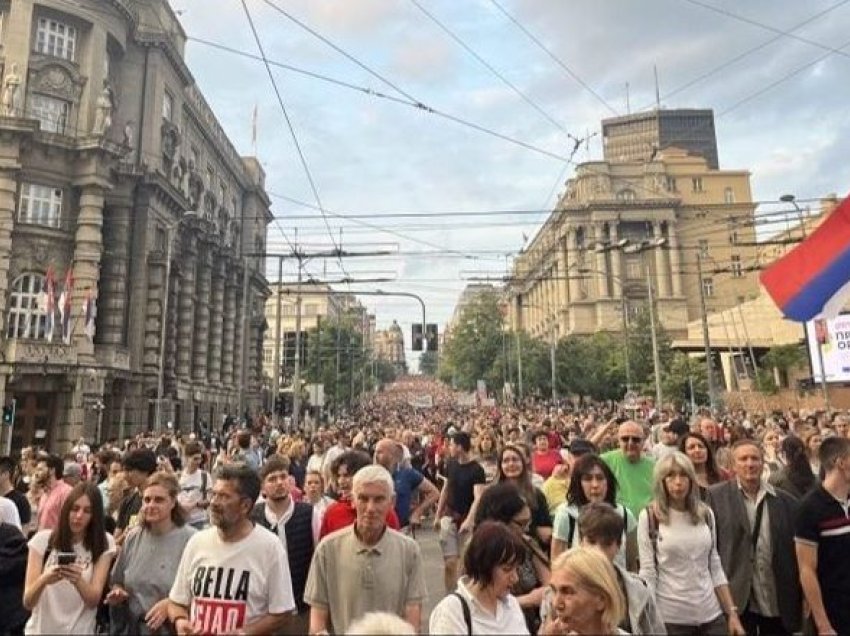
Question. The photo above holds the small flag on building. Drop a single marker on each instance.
(814, 278)
(49, 306)
(65, 305)
(90, 313)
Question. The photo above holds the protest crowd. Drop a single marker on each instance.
(552, 518)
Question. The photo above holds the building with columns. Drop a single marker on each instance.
(578, 277)
(114, 168)
(389, 347)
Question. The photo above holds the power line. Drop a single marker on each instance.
(555, 58)
(301, 156)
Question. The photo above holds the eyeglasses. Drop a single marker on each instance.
(629, 439)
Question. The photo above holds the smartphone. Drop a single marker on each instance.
(66, 558)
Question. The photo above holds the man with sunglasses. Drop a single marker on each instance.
(631, 467)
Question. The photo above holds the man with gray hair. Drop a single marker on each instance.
(366, 567)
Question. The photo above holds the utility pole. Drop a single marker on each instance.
(278, 326)
(705, 336)
(656, 359)
(296, 377)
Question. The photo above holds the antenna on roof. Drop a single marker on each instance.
(657, 91)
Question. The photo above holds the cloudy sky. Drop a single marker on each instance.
(774, 71)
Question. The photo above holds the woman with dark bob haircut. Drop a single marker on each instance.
(593, 482)
(699, 451)
(491, 560)
(68, 566)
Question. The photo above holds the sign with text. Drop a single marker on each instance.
(833, 335)
(422, 401)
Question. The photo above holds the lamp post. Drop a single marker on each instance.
(170, 230)
(790, 198)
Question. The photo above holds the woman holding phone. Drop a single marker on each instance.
(68, 566)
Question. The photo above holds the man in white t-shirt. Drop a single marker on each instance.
(9, 512)
(195, 486)
(233, 578)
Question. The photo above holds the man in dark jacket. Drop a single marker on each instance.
(293, 523)
(755, 539)
(13, 569)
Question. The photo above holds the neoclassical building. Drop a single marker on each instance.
(583, 273)
(114, 168)
(389, 347)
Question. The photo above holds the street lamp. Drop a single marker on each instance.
(170, 230)
(790, 198)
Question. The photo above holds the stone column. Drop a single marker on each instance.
(88, 250)
(216, 320)
(171, 347)
(202, 315)
(238, 330)
(564, 272)
(154, 315)
(572, 265)
(675, 260)
(112, 303)
(186, 309)
(601, 264)
(8, 190)
(663, 284)
(231, 288)
(616, 258)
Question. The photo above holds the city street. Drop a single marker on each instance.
(432, 558)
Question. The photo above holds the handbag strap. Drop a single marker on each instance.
(467, 614)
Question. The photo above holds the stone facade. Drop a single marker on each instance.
(389, 347)
(113, 165)
(573, 278)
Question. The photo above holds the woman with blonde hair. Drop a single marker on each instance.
(585, 595)
(677, 543)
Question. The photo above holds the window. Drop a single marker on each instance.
(733, 237)
(26, 314)
(160, 239)
(167, 106)
(728, 195)
(310, 309)
(737, 271)
(40, 205)
(696, 184)
(56, 38)
(708, 287)
(670, 184)
(703, 248)
(626, 195)
(51, 113)
(268, 354)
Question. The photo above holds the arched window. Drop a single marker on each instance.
(626, 194)
(27, 318)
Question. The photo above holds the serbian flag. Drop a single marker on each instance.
(89, 313)
(49, 305)
(814, 277)
(65, 305)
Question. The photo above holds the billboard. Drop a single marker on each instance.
(833, 334)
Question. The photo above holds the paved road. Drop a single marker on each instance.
(433, 562)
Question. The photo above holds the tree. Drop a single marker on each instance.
(475, 344)
(682, 374)
(783, 358)
(428, 363)
(640, 351)
(591, 366)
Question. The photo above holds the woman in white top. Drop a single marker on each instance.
(586, 598)
(678, 555)
(68, 566)
(482, 602)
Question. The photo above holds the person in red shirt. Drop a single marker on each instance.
(342, 513)
(543, 458)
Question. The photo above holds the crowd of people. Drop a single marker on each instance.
(552, 518)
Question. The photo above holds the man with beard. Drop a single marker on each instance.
(234, 576)
(292, 522)
(48, 474)
(138, 465)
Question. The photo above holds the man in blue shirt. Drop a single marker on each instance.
(409, 484)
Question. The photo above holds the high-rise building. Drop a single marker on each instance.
(640, 136)
(121, 195)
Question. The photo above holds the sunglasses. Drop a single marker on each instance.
(628, 439)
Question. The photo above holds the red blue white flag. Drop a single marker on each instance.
(813, 279)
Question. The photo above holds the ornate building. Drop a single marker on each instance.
(588, 268)
(119, 190)
(389, 347)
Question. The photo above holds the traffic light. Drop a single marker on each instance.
(417, 336)
(9, 413)
(278, 405)
(432, 337)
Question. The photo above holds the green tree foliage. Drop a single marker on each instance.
(683, 373)
(335, 357)
(428, 363)
(591, 366)
(475, 344)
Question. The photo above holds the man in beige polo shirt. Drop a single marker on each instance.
(366, 567)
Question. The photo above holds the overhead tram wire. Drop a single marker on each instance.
(459, 41)
(744, 54)
(292, 133)
(767, 27)
(554, 57)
